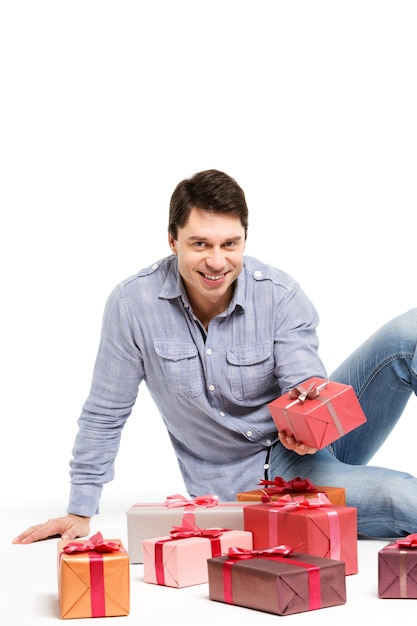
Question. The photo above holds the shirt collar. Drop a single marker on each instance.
(173, 287)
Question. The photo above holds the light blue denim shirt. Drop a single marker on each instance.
(211, 388)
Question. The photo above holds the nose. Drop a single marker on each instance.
(215, 259)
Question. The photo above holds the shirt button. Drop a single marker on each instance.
(266, 466)
(212, 387)
(221, 413)
(155, 266)
(257, 274)
(249, 433)
(268, 441)
(208, 351)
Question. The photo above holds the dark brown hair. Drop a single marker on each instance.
(210, 190)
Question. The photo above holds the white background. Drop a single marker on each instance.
(105, 106)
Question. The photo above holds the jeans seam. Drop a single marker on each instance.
(380, 367)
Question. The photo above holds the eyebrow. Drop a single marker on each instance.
(226, 239)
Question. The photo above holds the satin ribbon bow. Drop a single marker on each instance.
(302, 394)
(181, 532)
(410, 541)
(288, 502)
(93, 544)
(178, 500)
(242, 553)
(279, 485)
(189, 529)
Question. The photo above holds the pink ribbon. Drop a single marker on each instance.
(277, 553)
(301, 502)
(186, 531)
(95, 546)
(178, 500)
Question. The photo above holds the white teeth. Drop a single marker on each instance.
(213, 277)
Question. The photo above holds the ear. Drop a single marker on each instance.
(172, 243)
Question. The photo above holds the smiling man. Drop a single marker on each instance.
(216, 335)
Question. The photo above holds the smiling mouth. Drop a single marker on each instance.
(213, 277)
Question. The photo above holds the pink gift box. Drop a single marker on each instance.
(183, 562)
(155, 519)
(328, 531)
(397, 569)
(317, 412)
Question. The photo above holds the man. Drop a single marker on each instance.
(216, 335)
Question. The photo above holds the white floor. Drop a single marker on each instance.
(28, 586)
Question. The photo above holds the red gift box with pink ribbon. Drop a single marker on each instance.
(309, 525)
(180, 559)
(397, 568)
(93, 578)
(317, 412)
(276, 580)
(146, 520)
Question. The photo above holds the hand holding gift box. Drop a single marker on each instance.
(93, 578)
(317, 412)
(276, 488)
(276, 580)
(397, 569)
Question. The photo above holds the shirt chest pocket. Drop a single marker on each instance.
(180, 365)
(251, 370)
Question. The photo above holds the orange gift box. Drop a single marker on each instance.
(313, 526)
(93, 578)
(275, 489)
(317, 412)
(181, 561)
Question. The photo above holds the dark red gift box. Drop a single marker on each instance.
(397, 569)
(277, 583)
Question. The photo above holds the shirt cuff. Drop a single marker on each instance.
(84, 500)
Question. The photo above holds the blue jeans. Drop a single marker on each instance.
(383, 372)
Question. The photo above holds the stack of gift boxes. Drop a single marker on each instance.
(284, 547)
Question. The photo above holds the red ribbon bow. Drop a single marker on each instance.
(177, 500)
(93, 544)
(279, 485)
(302, 394)
(410, 541)
(242, 553)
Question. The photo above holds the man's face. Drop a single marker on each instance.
(210, 255)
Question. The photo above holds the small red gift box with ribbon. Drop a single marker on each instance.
(156, 519)
(276, 580)
(317, 412)
(180, 559)
(311, 525)
(397, 568)
(93, 578)
(273, 489)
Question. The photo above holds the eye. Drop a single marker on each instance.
(199, 244)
